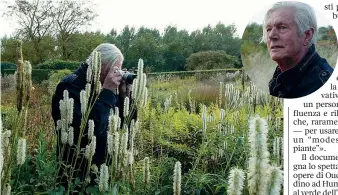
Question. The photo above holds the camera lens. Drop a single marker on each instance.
(129, 77)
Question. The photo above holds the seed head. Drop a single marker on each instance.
(146, 171)
(91, 126)
(116, 147)
(275, 180)
(110, 143)
(104, 176)
(236, 181)
(64, 137)
(93, 146)
(177, 179)
(126, 107)
(83, 100)
(89, 74)
(21, 151)
(71, 136)
(7, 190)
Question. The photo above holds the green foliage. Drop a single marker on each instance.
(7, 114)
(211, 60)
(329, 52)
(59, 65)
(55, 78)
(38, 171)
(161, 52)
(204, 183)
(169, 52)
(189, 73)
(252, 40)
(7, 65)
(161, 170)
(146, 44)
(48, 28)
(38, 75)
(253, 32)
(249, 47)
(167, 136)
(9, 49)
(220, 37)
(80, 45)
(177, 48)
(33, 51)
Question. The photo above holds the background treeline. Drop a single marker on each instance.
(57, 31)
(54, 37)
(166, 51)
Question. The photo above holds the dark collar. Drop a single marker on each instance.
(292, 77)
(81, 73)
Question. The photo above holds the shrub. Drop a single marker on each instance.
(55, 78)
(211, 60)
(8, 82)
(7, 65)
(59, 65)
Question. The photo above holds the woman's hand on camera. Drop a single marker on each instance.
(113, 79)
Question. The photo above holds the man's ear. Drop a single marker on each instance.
(308, 36)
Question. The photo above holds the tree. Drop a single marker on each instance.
(70, 17)
(42, 21)
(80, 45)
(177, 47)
(253, 32)
(111, 37)
(147, 44)
(9, 49)
(35, 19)
(123, 42)
(251, 39)
(220, 37)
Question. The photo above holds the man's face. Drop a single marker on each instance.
(283, 40)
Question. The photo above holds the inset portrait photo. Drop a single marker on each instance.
(289, 49)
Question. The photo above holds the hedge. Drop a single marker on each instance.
(38, 75)
(7, 65)
(59, 65)
(196, 71)
(198, 74)
(189, 73)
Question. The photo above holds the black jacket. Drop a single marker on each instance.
(303, 79)
(107, 100)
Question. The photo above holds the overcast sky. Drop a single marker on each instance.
(185, 14)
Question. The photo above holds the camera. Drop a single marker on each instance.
(128, 76)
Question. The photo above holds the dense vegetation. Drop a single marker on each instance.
(196, 135)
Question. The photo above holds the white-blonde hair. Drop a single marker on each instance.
(304, 17)
(110, 54)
